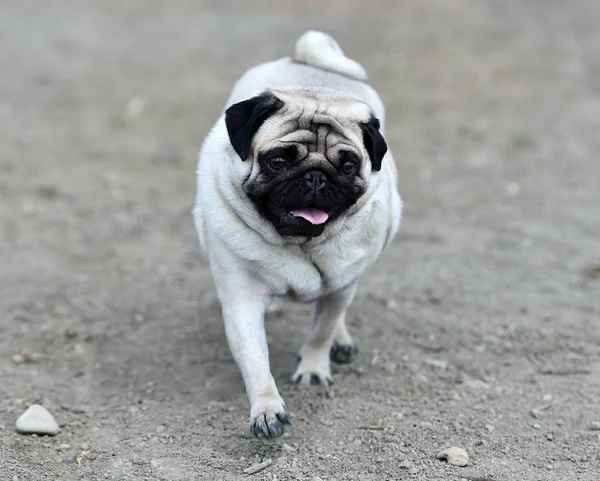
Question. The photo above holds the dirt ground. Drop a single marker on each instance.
(485, 307)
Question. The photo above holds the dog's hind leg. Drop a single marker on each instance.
(343, 350)
(330, 311)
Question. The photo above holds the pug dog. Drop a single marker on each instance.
(296, 198)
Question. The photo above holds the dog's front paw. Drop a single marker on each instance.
(270, 422)
(343, 353)
(313, 369)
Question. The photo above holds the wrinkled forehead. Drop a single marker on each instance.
(323, 122)
(346, 108)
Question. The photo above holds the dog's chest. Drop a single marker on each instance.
(307, 275)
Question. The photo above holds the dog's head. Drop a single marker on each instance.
(312, 153)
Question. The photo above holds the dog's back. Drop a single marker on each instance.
(318, 61)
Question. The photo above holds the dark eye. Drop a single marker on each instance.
(349, 167)
(276, 163)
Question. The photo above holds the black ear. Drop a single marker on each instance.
(374, 142)
(245, 118)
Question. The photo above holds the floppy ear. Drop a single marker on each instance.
(374, 142)
(245, 118)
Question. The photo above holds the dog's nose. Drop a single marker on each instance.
(315, 179)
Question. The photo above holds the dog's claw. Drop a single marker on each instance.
(343, 353)
(285, 419)
(310, 379)
(275, 429)
(272, 428)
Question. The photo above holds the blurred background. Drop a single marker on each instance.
(486, 306)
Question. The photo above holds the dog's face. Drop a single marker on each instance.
(312, 155)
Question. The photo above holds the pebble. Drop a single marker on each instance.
(37, 420)
(390, 367)
(513, 189)
(258, 467)
(391, 304)
(595, 426)
(18, 359)
(454, 456)
(441, 364)
(134, 107)
(536, 426)
(27, 356)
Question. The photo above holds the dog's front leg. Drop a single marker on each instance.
(244, 326)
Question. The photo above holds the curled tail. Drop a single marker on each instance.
(320, 50)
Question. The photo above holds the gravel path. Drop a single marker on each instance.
(478, 329)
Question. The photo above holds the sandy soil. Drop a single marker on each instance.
(486, 306)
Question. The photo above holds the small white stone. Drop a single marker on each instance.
(390, 367)
(595, 426)
(391, 304)
(454, 456)
(18, 359)
(135, 107)
(513, 189)
(37, 420)
(440, 364)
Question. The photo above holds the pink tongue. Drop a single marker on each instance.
(314, 216)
